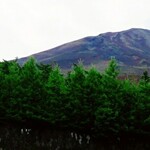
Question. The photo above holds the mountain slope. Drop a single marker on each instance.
(131, 48)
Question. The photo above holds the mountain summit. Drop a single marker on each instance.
(131, 48)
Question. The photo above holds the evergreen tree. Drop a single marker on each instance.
(10, 86)
(55, 102)
(111, 70)
(32, 90)
(76, 95)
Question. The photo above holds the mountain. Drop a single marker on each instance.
(131, 48)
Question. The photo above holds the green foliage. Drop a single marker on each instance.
(56, 90)
(112, 71)
(10, 85)
(84, 100)
(75, 83)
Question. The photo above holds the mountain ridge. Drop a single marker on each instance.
(131, 48)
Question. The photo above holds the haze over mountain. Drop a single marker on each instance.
(131, 48)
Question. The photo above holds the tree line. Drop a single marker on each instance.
(83, 100)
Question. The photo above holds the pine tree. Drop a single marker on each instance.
(32, 90)
(55, 102)
(111, 70)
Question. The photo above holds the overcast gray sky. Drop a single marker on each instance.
(31, 26)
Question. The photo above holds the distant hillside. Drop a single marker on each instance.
(131, 48)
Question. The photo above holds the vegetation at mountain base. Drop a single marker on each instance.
(83, 100)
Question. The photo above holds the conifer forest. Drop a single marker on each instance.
(82, 101)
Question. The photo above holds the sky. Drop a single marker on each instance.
(31, 26)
